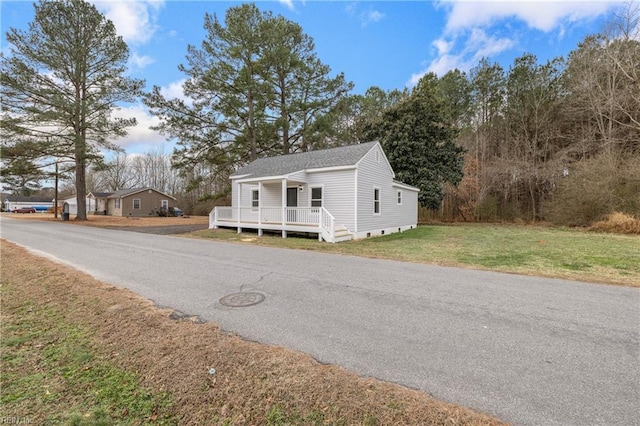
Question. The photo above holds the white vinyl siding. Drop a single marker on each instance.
(372, 173)
(247, 194)
(234, 193)
(297, 177)
(272, 194)
(337, 194)
(247, 212)
(407, 212)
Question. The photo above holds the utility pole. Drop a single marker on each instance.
(55, 200)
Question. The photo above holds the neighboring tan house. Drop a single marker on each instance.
(339, 193)
(133, 202)
(99, 202)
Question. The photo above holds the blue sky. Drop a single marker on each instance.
(388, 44)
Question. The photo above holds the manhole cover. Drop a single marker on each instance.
(238, 300)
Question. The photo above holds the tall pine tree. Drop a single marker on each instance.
(60, 83)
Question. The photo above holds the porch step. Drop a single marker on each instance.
(341, 233)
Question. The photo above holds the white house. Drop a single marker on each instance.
(14, 202)
(70, 205)
(339, 193)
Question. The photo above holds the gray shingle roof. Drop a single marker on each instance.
(27, 199)
(100, 194)
(126, 192)
(285, 164)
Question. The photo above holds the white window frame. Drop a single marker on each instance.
(377, 201)
(134, 204)
(255, 199)
(311, 199)
(164, 205)
(116, 203)
(399, 197)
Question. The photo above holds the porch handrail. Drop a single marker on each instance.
(327, 225)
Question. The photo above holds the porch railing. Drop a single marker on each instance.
(308, 216)
(293, 215)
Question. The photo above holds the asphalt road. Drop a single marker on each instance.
(531, 351)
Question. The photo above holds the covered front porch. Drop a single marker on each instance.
(294, 219)
(286, 205)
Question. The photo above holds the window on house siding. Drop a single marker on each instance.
(117, 203)
(255, 199)
(376, 200)
(399, 197)
(136, 203)
(316, 197)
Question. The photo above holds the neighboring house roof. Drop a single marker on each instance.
(127, 192)
(285, 164)
(99, 194)
(27, 199)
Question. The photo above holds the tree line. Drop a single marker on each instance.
(558, 140)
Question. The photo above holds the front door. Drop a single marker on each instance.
(292, 201)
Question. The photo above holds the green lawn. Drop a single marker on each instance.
(52, 374)
(531, 250)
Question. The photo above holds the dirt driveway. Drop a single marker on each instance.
(148, 225)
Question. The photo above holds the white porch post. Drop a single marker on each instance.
(260, 209)
(239, 206)
(284, 207)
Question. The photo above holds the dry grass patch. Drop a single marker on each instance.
(618, 223)
(253, 383)
(116, 222)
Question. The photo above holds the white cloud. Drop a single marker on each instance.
(481, 45)
(137, 62)
(471, 29)
(443, 46)
(287, 3)
(540, 15)
(350, 8)
(141, 134)
(441, 65)
(175, 91)
(141, 138)
(475, 46)
(371, 17)
(367, 17)
(135, 21)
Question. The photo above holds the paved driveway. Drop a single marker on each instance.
(529, 350)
